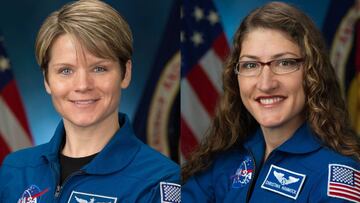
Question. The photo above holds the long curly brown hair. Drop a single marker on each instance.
(324, 107)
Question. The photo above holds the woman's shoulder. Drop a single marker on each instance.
(25, 157)
(334, 176)
(326, 156)
(215, 179)
(146, 153)
(153, 165)
(223, 164)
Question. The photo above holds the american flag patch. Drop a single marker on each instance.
(344, 182)
(170, 192)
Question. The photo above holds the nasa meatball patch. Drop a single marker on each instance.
(32, 195)
(244, 173)
(283, 181)
(81, 197)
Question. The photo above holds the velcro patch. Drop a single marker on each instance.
(170, 192)
(283, 181)
(344, 182)
(244, 173)
(82, 197)
(32, 194)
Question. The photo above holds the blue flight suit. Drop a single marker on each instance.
(299, 170)
(126, 170)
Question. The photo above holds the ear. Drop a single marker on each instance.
(47, 87)
(127, 77)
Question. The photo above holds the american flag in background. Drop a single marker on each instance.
(203, 50)
(344, 182)
(14, 129)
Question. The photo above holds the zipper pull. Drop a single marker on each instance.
(58, 190)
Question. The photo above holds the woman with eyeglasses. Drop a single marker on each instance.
(281, 132)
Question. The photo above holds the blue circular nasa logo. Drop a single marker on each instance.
(244, 173)
(31, 195)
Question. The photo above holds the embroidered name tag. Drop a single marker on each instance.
(283, 181)
(244, 173)
(170, 192)
(80, 197)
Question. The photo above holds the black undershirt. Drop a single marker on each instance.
(69, 165)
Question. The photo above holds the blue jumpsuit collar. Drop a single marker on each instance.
(123, 145)
(302, 141)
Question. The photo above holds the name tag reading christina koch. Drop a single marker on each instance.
(283, 181)
(81, 197)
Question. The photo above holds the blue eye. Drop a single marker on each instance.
(65, 71)
(99, 69)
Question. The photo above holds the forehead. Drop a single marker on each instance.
(68, 47)
(265, 43)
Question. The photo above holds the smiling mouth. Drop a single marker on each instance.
(84, 102)
(269, 100)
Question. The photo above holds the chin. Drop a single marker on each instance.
(270, 123)
(81, 121)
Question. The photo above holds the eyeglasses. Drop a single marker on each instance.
(278, 66)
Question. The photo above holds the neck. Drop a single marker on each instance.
(276, 136)
(85, 141)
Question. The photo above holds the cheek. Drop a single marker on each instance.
(244, 89)
(299, 93)
(58, 88)
(112, 86)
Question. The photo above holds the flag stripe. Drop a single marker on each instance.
(221, 50)
(12, 98)
(188, 141)
(212, 66)
(339, 187)
(192, 111)
(204, 49)
(356, 188)
(203, 87)
(12, 131)
(349, 197)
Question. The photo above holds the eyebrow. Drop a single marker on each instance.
(103, 61)
(276, 56)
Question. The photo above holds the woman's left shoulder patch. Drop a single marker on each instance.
(343, 182)
(170, 192)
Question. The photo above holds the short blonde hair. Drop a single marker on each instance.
(97, 26)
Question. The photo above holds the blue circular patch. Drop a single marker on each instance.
(30, 195)
(244, 173)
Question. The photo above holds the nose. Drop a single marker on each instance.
(267, 81)
(83, 81)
